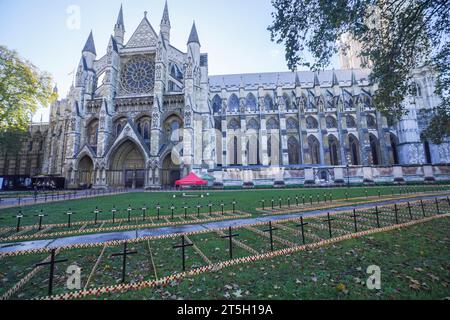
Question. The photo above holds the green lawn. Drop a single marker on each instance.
(246, 201)
(414, 262)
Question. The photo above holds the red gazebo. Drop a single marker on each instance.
(191, 180)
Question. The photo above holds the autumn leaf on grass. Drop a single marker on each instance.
(414, 284)
(238, 293)
(342, 288)
(433, 277)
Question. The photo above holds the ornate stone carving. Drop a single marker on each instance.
(155, 120)
(143, 37)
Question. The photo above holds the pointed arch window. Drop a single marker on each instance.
(354, 150)
(234, 124)
(311, 123)
(253, 125)
(175, 72)
(268, 103)
(143, 126)
(292, 124)
(375, 149)
(217, 104)
(331, 122)
(333, 144)
(272, 124)
(233, 103)
(394, 150)
(371, 122)
(314, 149)
(146, 131)
(351, 123)
(93, 134)
(250, 102)
(287, 101)
(293, 151)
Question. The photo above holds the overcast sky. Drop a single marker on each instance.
(46, 32)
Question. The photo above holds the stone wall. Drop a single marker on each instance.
(263, 176)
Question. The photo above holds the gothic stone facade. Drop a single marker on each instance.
(147, 113)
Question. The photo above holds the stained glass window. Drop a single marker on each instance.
(351, 123)
(311, 123)
(272, 124)
(138, 76)
(331, 122)
(268, 103)
(216, 104)
(233, 103)
(250, 102)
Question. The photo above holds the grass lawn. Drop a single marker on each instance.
(246, 201)
(414, 262)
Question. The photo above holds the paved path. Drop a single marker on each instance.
(213, 226)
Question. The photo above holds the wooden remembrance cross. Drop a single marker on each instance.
(270, 231)
(329, 219)
(124, 255)
(51, 263)
(183, 247)
(230, 236)
(302, 225)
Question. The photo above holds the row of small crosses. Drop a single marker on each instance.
(185, 243)
(20, 216)
(297, 200)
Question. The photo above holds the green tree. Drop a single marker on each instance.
(397, 36)
(23, 88)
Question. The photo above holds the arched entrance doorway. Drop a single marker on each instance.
(127, 166)
(85, 172)
(170, 172)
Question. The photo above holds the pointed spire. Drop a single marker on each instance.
(165, 18)
(55, 88)
(120, 22)
(193, 37)
(90, 46)
(316, 80)
(297, 80)
(335, 79)
(354, 81)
